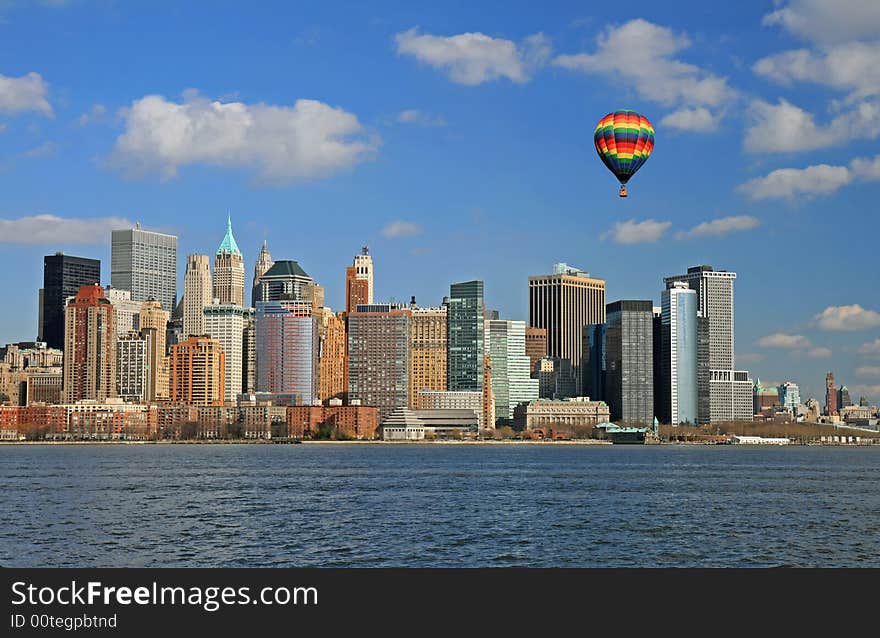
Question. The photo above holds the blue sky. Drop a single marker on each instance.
(455, 139)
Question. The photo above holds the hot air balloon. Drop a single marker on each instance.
(624, 141)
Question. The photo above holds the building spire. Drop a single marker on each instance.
(228, 244)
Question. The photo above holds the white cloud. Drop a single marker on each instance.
(871, 347)
(475, 58)
(641, 55)
(870, 391)
(746, 358)
(788, 183)
(782, 340)
(2, 127)
(828, 21)
(633, 232)
(699, 120)
(93, 114)
(46, 149)
(720, 227)
(415, 116)
(27, 93)
(785, 127)
(867, 169)
(868, 371)
(849, 67)
(52, 229)
(846, 318)
(819, 353)
(284, 144)
(401, 228)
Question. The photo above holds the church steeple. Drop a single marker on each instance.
(228, 244)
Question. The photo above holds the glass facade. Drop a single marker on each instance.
(145, 263)
(62, 277)
(286, 348)
(629, 367)
(679, 320)
(511, 380)
(465, 342)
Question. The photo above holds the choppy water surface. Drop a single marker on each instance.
(440, 505)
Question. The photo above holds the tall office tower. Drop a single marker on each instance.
(332, 367)
(357, 291)
(174, 329)
(830, 395)
(679, 354)
(556, 378)
(843, 398)
(536, 346)
(249, 356)
(789, 396)
(152, 317)
(285, 280)
(197, 372)
(378, 357)
(363, 268)
(229, 270)
(145, 263)
(286, 345)
(488, 419)
(264, 263)
(464, 321)
(704, 370)
(427, 351)
(196, 294)
(40, 298)
(227, 323)
(593, 362)
(133, 369)
(126, 310)
(563, 303)
(89, 346)
(730, 396)
(62, 277)
(314, 293)
(511, 379)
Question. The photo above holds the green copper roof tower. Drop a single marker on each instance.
(228, 244)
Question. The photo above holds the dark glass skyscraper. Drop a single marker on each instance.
(465, 318)
(629, 365)
(62, 277)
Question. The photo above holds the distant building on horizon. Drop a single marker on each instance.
(465, 326)
(831, 407)
(229, 270)
(145, 263)
(264, 263)
(63, 275)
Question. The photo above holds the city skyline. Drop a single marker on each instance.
(805, 302)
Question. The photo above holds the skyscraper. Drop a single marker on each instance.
(286, 345)
(196, 294)
(63, 275)
(629, 361)
(511, 375)
(285, 280)
(789, 396)
(378, 357)
(197, 372)
(332, 366)
(126, 310)
(830, 395)
(152, 317)
(427, 351)
(227, 324)
(363, 269)
(145, 263)
(563, 303)
(536, 346)
(133, 370)
(465, 336)
(229, 270)
(264, 263)
(679, 340)
(593, 364)
(89, 346)
(843, 398)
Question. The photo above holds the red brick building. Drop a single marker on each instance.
(351, 421)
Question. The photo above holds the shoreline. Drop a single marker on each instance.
(588, 442)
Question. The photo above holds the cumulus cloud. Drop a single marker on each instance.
(633, 232)
(871, 347)
(783, 340)
(847, 318)
(52, 229)
(642, 56)
(849, 67)
(283, 144)
(401, 228)
(870, 391)
(720, 227)
(92, 115)
(828, 21)
(819, 353)
(475, 58)
(868, 371)
(26, 93)
(788, 183)
(746, 358)
(415, 116)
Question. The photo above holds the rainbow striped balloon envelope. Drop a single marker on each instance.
(624, 141)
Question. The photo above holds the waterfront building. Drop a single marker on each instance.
(133, 376)
(229, 270)
(789, 395)
(286, 347)
(536, 347)
(843, 398)
(197, 371)
(679, 355)
(378, 357)
(453, 400)
(152, 317)
(332, 365)
(264, 263)
(830, 395)
(285, 280)
(765, 398)
(89, 346)
(465, 312)
(563, 303)
(730, 396)
(227, 324)
(196, 294)
(249, 354)
(408, 424)
(126, 310)
(145, 263)
(629, 361)
(561, 415)
(63, 275)
(427, 351)
(342, 421)
(43, 386)
(512, 383)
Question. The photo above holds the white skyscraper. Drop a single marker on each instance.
(227, 324)
(145, 263)
(363, 265)
(511, 367)
(196, 294)
(127, 310)
(679, 354)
